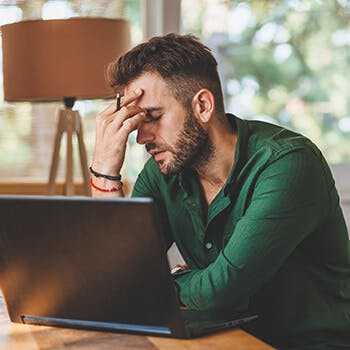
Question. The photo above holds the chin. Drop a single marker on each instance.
(164, 168)
(169, 167)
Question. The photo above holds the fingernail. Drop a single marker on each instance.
(137, 91)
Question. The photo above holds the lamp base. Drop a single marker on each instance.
(70, 123)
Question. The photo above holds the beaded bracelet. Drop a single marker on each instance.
(108, 177)
(113, 189)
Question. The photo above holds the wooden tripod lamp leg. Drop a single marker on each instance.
(56, 154)
(69, 123)
(82, 153)
(69, 184)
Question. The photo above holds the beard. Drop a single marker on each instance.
(192, 149)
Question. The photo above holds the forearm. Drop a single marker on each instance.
(113, 127)
(213, 288)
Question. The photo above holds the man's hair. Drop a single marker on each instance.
(182, 61)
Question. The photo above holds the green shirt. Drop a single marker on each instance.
(273, 241)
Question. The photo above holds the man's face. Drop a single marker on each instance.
(172, 135)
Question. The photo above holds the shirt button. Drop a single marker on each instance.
(208, 245)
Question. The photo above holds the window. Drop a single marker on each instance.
(285, 62)
(27, 129)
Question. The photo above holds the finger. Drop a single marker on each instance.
(116, 119)
(131, 97)
(110, 109)
(182, 267)
(126, 113)
(130, 124)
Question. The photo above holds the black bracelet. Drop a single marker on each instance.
(109, 177)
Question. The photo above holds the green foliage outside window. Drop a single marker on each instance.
(287, 62)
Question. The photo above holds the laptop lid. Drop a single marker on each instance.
(78, 258)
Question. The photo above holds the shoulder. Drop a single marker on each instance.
(261, 145)
(274, 141)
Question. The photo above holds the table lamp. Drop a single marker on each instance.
(62, 60)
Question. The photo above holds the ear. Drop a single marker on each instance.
(203, 105)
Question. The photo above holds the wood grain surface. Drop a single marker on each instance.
(25, 337)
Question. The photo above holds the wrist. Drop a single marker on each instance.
(107, 176)
(104, 168)
(103, 185)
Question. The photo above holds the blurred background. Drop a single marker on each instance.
(286, 62)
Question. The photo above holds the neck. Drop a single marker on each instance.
(217, 170)
(213, 174)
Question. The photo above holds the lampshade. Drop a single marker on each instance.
(47, 60)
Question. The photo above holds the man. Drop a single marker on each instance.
(252, 206)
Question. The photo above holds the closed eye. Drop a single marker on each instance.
(151, 118)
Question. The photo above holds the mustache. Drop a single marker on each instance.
(150, 146)
(159, 148)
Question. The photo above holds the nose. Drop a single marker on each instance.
(145, 133)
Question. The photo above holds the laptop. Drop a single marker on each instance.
(96, 264)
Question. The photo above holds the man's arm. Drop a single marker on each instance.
(112, 131)
(289, 201)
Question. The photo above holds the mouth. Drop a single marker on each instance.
(157, 155)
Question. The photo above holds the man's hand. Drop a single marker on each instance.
(179, 267)
(112, 131)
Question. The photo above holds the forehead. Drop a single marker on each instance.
(155, 89)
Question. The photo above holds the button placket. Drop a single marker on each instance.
(208, 245)
(211, 252)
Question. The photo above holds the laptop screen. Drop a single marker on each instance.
(80, 258)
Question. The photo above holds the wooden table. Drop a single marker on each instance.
(25, 337)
